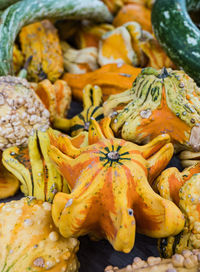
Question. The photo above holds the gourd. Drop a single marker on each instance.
(111, 78)
(92, 109)
(189, 158)
(79, 61)
(55, 97)
(138, 47)
(186, 261)
(134, 12)
(9, 184)
(40, 42)
(6, 3)
(160, 101)
(183, 189)
(110, 189)
(26, 12)
(182, 41)
(21, 111)
(32, 166)
(37, 245)
(89, 35)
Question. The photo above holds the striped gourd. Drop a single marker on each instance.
(92, 109)
(160, 101)
(110, 189)
(177, 34)
(26, 11)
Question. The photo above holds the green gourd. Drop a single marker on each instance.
(177, 34)
(26, 11)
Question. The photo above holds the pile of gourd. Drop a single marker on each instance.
(100, 173)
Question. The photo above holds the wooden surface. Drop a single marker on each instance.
(95, 256)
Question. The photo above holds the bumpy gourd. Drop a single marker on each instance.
(111, 78)
(183, 189)
(30, 241)
(160, 101)
(41, 42)
(21, 112)
(189, 158)
(110, 189)
(186, 261)
(92, 103)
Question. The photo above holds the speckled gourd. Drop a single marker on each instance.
(183, 189)
(31, 242)
(160, 101)
(110, 189)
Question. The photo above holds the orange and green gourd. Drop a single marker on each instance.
(110, 189)
(92, 104)
(160, 101)
(183, 189)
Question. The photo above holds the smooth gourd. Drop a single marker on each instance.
(177, 34)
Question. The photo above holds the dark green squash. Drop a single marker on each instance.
(177, 34)
(6, 3)
(26, 11)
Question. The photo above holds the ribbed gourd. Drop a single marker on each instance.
(92, 109)
(160, 101)
(30, 241)
(112, 192)
(183, 189)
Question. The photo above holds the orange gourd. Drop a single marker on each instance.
(110, 189)
(111, 78)
(134, 12)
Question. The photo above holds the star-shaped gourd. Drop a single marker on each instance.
(110, 188)
(92, 108)
(183, 189)
(160, 101)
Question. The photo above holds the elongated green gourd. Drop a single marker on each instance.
(26, 11)
(177, 34)
(6, 3)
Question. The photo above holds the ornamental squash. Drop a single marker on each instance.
(184, 262)
(90, 34)
(134, 12)
(183, 189)
(79, 61)
(177, 34)
(111, 78)
(189, 158)
(92, 103)
(110, 189)
(18, 59)
(41, 42)
(9, 184)
(55, 97)
(160, 101)
(30, 241)
(25, 12)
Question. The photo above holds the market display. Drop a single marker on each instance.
(133, 65)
